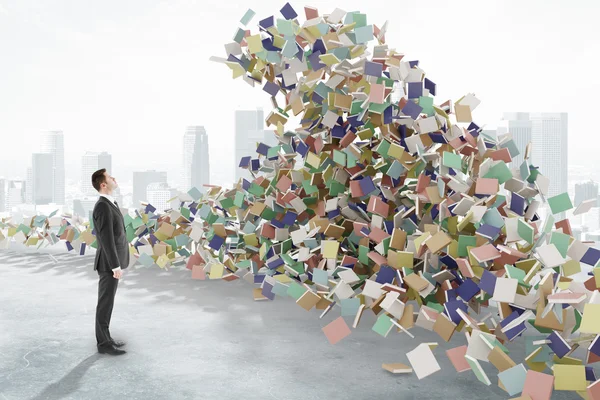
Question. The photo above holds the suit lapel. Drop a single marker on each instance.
(110, 202)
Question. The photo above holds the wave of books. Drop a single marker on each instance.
(382, 200)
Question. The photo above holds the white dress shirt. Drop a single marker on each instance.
(112, 200)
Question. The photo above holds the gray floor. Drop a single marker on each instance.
(190, 339)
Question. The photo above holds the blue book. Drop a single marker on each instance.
(245, 161)
(267, 291)
(595, 346)
(558, 345)
(517, 204)
(488, 231)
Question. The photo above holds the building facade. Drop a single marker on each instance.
(52, 142)
(159, 194)
(520, 128)
(249, 131)
(90, 163)
(141, 180)
(196, 162)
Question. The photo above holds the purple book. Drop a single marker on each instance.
(415, 90)
(467, 290)
(216, 242)
(488, 231)
(488, 282)
(288, 12)
(267, 291)
(517, 204)
(412, 109)
(373, 68)
(558, 345)
(271, 88)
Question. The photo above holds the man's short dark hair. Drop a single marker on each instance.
(98, 178)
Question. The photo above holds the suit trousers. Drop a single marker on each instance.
(107, 288)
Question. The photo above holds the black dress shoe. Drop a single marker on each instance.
(110, 349)
(117, 343)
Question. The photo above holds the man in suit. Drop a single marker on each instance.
(112, 257)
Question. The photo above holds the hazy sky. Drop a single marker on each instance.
(127, 76)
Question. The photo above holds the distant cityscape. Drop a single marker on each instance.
(45, 188)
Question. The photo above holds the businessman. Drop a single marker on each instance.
(112, 257)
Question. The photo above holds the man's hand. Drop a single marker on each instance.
(118, 274)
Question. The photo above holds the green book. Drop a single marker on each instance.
(525, 231)
(295, 290)
(463, 242)
(560, 203)
(451, 160)
(561, 241)
(383, 325)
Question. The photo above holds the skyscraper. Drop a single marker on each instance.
(42, 166)
(549, 134)
(53, 143)
(2, 194)
(90, 163)
(249, 130)
(158, 195)
(196, 165)
(141, 180)
(520, 127)
(15, 194)
(29, 186)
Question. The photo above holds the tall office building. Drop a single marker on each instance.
(158, 195)
(549, 134)
(29, 186)
(42, 166)
(196, 166)
(53, 143)
(3, 183)
(585, 191)
(15, 194)
(90, 163)
(519, 126)
(249, 131)
(141, 180)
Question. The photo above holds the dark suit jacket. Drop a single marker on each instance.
(113, 247)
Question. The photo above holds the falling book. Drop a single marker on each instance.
(359, 314)
(397, 368)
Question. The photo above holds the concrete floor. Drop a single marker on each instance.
(190, 339)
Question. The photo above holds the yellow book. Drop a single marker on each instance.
(329, 59)
(569, 377)
(590, 322)
(419, 241)
(254, 44)
(400, 259)
(216, 271)
(282, 278)
(251, 239)
(313, 160)
(330, 248)
(395, 151)
(162, 260)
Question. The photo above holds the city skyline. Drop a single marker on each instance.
(547, 133)
(106, 78)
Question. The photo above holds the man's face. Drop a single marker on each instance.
(111, 182)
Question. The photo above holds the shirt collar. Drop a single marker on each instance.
(108, 196)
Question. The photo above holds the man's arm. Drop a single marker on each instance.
(105, 234)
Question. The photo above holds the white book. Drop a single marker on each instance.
(423, 361)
